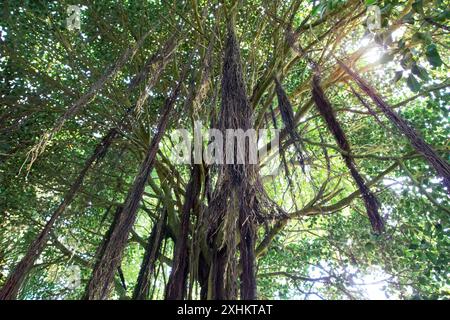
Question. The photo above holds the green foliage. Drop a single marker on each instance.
(327, 250)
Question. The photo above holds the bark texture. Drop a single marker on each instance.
(326, 111)
(86, 97)
(441, 166)
(12, 285)
(176, 287)
(99, 285)
(239, 201)
(151, 73)
(287, 115)
(152, 251)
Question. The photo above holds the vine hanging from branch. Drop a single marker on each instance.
(441, 166)
(326, 111)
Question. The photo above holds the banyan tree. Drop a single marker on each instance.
(313, 160)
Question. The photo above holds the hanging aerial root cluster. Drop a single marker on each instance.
(282, 153)
(152, 252)
(287, 115)
(99, 285)
(366, 105)
(239, 201)
(440, 165)
(186, 261)
(236, 113)
(176, 287)
(87, 97)
(204, 77)
(326, 111)
(12, 285)
(151, 71)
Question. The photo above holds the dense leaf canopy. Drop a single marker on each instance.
(325, 247)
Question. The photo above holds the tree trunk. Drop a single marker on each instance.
(87, 97)
(12, 285)
(176, 288)
(152, 251)
(203, 272)
(440, 165)
(155, 63)
(99, 285)
(326, 111)
(287, 115)
(239, 201)
(217, 275)
(247, 258)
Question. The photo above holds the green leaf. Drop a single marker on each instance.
(443, 16)
(386, 9)
(409, 18)
(369, 246)
(413, 84)
(315, 10)
(407, 61)
(386, 58)
(370, 2)
(418, 6)
(398, 75)
(420, 72)
(422, 37)
(433, 55)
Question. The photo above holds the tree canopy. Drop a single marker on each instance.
(94, 205)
